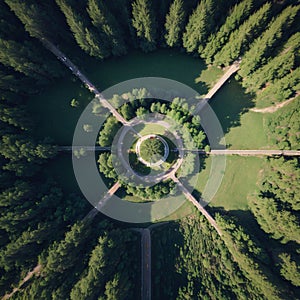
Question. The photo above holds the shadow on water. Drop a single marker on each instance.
(230, 103)
(202, 88)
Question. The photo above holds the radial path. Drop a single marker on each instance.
(63, 58)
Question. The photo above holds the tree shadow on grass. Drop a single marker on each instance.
(167, 237)
(230, 103)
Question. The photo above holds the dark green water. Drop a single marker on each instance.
(52, 110)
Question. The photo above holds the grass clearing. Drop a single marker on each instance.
(53, 113)
(239, 181)
(250, 134)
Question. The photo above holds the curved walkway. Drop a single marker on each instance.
(166, 150)
(150, 178)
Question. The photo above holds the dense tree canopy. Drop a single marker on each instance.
(284, 126)
(263, 46)
(239, 13)
(152, 149)
(276, 205)
(241, 38)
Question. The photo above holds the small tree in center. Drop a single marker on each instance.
(152, 149)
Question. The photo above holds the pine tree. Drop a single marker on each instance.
(199, 26)
(240, 39)
(280, 89)
(174, 23)
(239, 13)
(121, 10)
(10, 26)
(84, 33)
(290, 270)
(274, 207)
(39, 18)
(144, 23)
(28, 59)
(264, 45)
(107, 26)
(277, 67)
(284, 126)
(16, 116)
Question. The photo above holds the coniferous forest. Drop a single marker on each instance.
(47, 229)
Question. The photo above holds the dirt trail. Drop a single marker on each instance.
(36, 270)
(272, 109)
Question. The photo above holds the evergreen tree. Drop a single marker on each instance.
(144, 23)
(283, 126)
(264, 45)
(10, 26)
(28, 59)
(84, 33)
(199, 26)
(107, 26)
(109, 269)
(238, 14)
(241, 38)
(280, 89)
(277, 67)
(121, 10)
(174, 23)
(289, 269)
(40, 19)
(17, 147)
(16, 116)
(15, 82)
(245, 253)
(274, 206)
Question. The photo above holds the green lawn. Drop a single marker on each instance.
(251, 134)
(53, 113)
(165, 63)
(239, 181)
(145, 129)
(243, 129)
